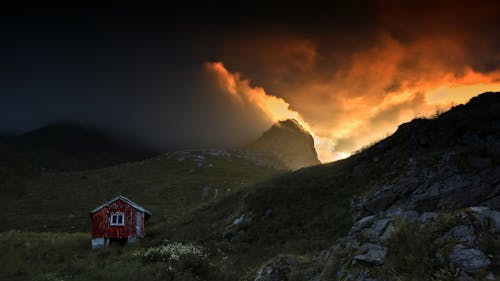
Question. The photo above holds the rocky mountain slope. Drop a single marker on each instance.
(288, 143)
(443, 164)
(432, 214)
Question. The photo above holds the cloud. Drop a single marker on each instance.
(363, 97)
(249, 98)
(351, 71)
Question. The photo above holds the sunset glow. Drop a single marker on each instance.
(421, 100)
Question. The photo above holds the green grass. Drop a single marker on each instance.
(44, 256)
(167, 187)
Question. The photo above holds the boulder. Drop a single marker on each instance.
(469, 260)
(484, 213)
(362, 223)
(411, 216)
(377, 229)
(374, 254)
(381, 200)
(387, 232)
(379, 226)
(242, 220)
(428, 216)
(464, 233)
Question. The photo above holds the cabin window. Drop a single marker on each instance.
(117, 219)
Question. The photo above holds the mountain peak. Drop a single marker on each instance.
(289, 143)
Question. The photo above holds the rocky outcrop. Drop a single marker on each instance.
(440, 187)
(469, 260)
(372, 254)
(455, 246)
(288, 143)
(455, 240)
(440, 164)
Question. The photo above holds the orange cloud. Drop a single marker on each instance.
(272, 107)
(361, 97)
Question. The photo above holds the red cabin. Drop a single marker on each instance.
(120, 219)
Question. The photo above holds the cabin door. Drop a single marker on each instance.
(138, 224)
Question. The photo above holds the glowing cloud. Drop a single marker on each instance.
(365, 119)
(274, 108)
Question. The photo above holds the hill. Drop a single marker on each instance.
(442, 164)
(169, 185)
(70, 147)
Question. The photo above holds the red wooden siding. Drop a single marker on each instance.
(101, 221)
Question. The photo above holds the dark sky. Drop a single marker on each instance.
(142, 71)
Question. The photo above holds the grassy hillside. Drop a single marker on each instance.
(51, 214)
(169, 185)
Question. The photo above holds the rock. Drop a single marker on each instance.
(387, 232)
(362, 223)
(479, 209)
(428, 216)
(411, 216)
(381, 199)
(276, 269)
(338, 246)
(464, 233)
(362, 275)
(379, 226)
(377, 229)
(492, 216)
(241, 220)
(469, 260)
(238, 221)
(375, 254)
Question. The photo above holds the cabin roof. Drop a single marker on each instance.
(126, 200)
